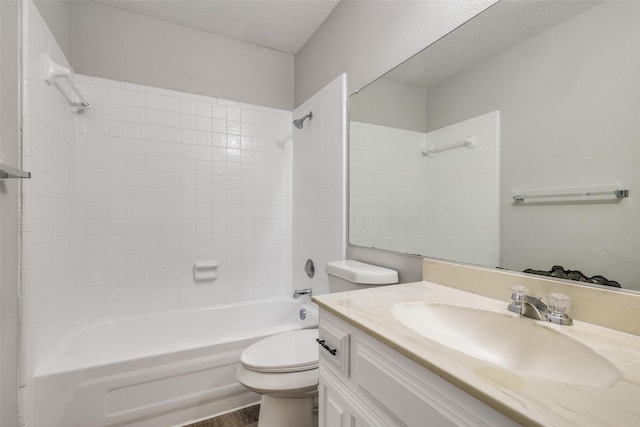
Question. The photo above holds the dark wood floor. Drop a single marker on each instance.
(245, 417)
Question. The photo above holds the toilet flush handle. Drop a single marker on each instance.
(299, 292)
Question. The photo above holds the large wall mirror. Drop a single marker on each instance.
(512, 142)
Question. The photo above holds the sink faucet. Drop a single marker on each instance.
(298, 292)
(527, 305)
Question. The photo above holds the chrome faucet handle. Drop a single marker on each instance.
(559, 305)
(525, 304)
(298, 292)
(518, 294)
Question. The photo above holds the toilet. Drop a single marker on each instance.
(283, 368)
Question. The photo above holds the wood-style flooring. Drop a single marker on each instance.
(245, 417)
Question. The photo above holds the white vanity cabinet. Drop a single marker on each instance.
(366, 383)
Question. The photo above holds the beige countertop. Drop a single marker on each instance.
(528, 399)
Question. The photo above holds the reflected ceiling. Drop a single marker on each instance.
(469, 44)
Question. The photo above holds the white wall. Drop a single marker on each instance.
(9, 210)
(392, 104)
(169, 178)
(120, 45)
(366, 39)
(116, 44)
(387, 175)
(58, 16)
(552, 90)
(49, 292)
(319, 206)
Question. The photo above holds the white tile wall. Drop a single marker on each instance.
(387, 177)
(319, 184)
(125, 197)
(48, 297)
(169, 178)
(463, 193)
(445, 206)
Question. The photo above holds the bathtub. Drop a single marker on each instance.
(158, 370)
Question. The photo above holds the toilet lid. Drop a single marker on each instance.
(292, 351)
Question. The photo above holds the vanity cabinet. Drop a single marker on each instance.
(366, 383)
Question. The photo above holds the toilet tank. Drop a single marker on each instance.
(350, 275)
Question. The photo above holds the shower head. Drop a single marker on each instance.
(299, 123)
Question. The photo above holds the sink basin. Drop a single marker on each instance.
(521, 345)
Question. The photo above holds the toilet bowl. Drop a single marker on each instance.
(283, 368)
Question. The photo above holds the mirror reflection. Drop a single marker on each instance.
(504, 143)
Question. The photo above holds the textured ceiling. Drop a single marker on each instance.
(497, 28)
(282, 25)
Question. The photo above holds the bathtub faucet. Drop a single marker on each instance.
(299, 292)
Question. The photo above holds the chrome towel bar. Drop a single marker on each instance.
(469, 142)
(10, 172)
(619, 193)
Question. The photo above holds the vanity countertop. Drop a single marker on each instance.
(528, 399)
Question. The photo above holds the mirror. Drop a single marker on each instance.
(503, 143)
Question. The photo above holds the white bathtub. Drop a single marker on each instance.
(157, 370)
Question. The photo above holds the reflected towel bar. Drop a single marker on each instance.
(470, 142)
(10, 172)
(620, 193)
(53, 72)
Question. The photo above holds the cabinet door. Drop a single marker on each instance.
(336, 412)
(340, 407)
(333, 409)
(357, 421)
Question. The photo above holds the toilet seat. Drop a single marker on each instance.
(290, 384)
(288, 352)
